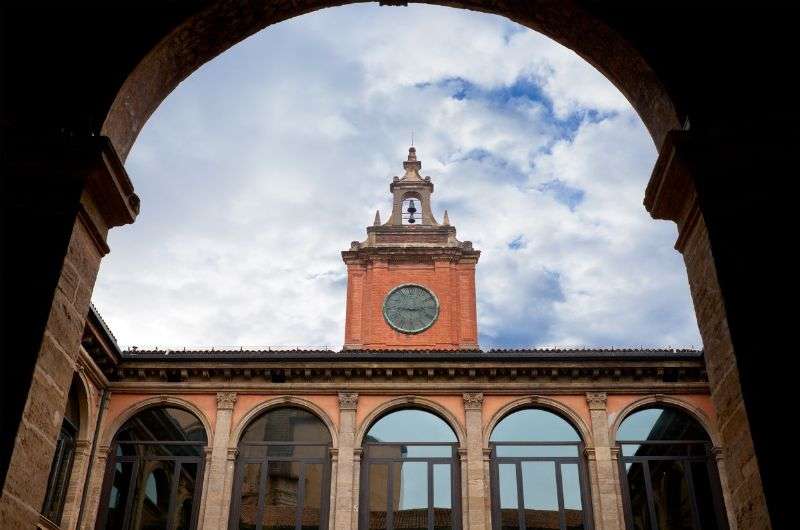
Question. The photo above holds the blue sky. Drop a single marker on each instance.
(265, 163)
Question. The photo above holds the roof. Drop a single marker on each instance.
(497, 354)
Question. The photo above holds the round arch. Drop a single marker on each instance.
(283, 401)
(111, 430)
(208, 32)
(544, 403)
(695, 412)
(410, 402)
(85, 404)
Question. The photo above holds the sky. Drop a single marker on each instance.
(269, 160)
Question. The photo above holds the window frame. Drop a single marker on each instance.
(455, 480)
(583, 479)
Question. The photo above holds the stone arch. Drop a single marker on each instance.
(85, 404)
(219, 25)
(411, 402)
(283, 401)
(684, 406)
(164, 401)
(544, 403)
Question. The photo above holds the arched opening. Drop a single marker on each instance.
(61, 467)
(282, 472)
(409, 473)
(154, 474)
(669, 473)
(538, 473)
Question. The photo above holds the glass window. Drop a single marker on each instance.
(409, 475)
(154, 472)
(61, 467)
(537, 473)
(283, 473)
(669, 475)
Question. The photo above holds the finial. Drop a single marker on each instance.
(377, 218)
(412, 154)
(446, 221)
(412, 137)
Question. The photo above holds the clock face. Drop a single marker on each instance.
(410, 308)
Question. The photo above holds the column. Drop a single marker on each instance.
(475, 502)
(345, 516)
(77, 479)
(216, 491)
(603, 468)
(736, 261)
(95, 490)
(61, 200)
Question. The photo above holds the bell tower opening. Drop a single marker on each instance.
(411, 283)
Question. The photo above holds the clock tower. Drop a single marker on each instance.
(411, 283)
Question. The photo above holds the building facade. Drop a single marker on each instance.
(409, 426)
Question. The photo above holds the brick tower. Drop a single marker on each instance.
(411, 284)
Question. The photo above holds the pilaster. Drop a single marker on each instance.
(217, 490)
(475, 500)
(603, 468)
(345, 513)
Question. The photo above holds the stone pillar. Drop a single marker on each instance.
(475, 502)
(72, 502)
(95, 490)
(345, 514)
(603, 468)
(703, 183)
(62, 200)
(215, 493)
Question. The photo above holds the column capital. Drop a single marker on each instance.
(348, 401)
(473, 400)
(233, 452)
(226, 400)
(590, 453)
(596, 400)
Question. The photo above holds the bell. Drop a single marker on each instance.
(411, 210)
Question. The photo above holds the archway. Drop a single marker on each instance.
(669, 473)
(211, 31)
(539, 478)
(154, 473)
(283, 471)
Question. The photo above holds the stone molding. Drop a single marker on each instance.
(596, 400)
(233, 452)
(348, 400)
(473, 400)
(226, 400)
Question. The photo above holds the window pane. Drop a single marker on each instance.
(534, 425)
(638, 496)
(287, 424)
(377, 495)
(664, 449)
(571, 488)
(540, 496)
(280, 500)
(163, 423)
(311, 515)
(661, 423)
(671, 495)
(248, 508)
(507, 486)
(118, 497)
(410, 490)
(411, 425)
(184, 500)
(537, 451)
(704, 496)
(442, 497)
(60, 471)
(151, 495)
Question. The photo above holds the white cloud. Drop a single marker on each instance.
(268, 161)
